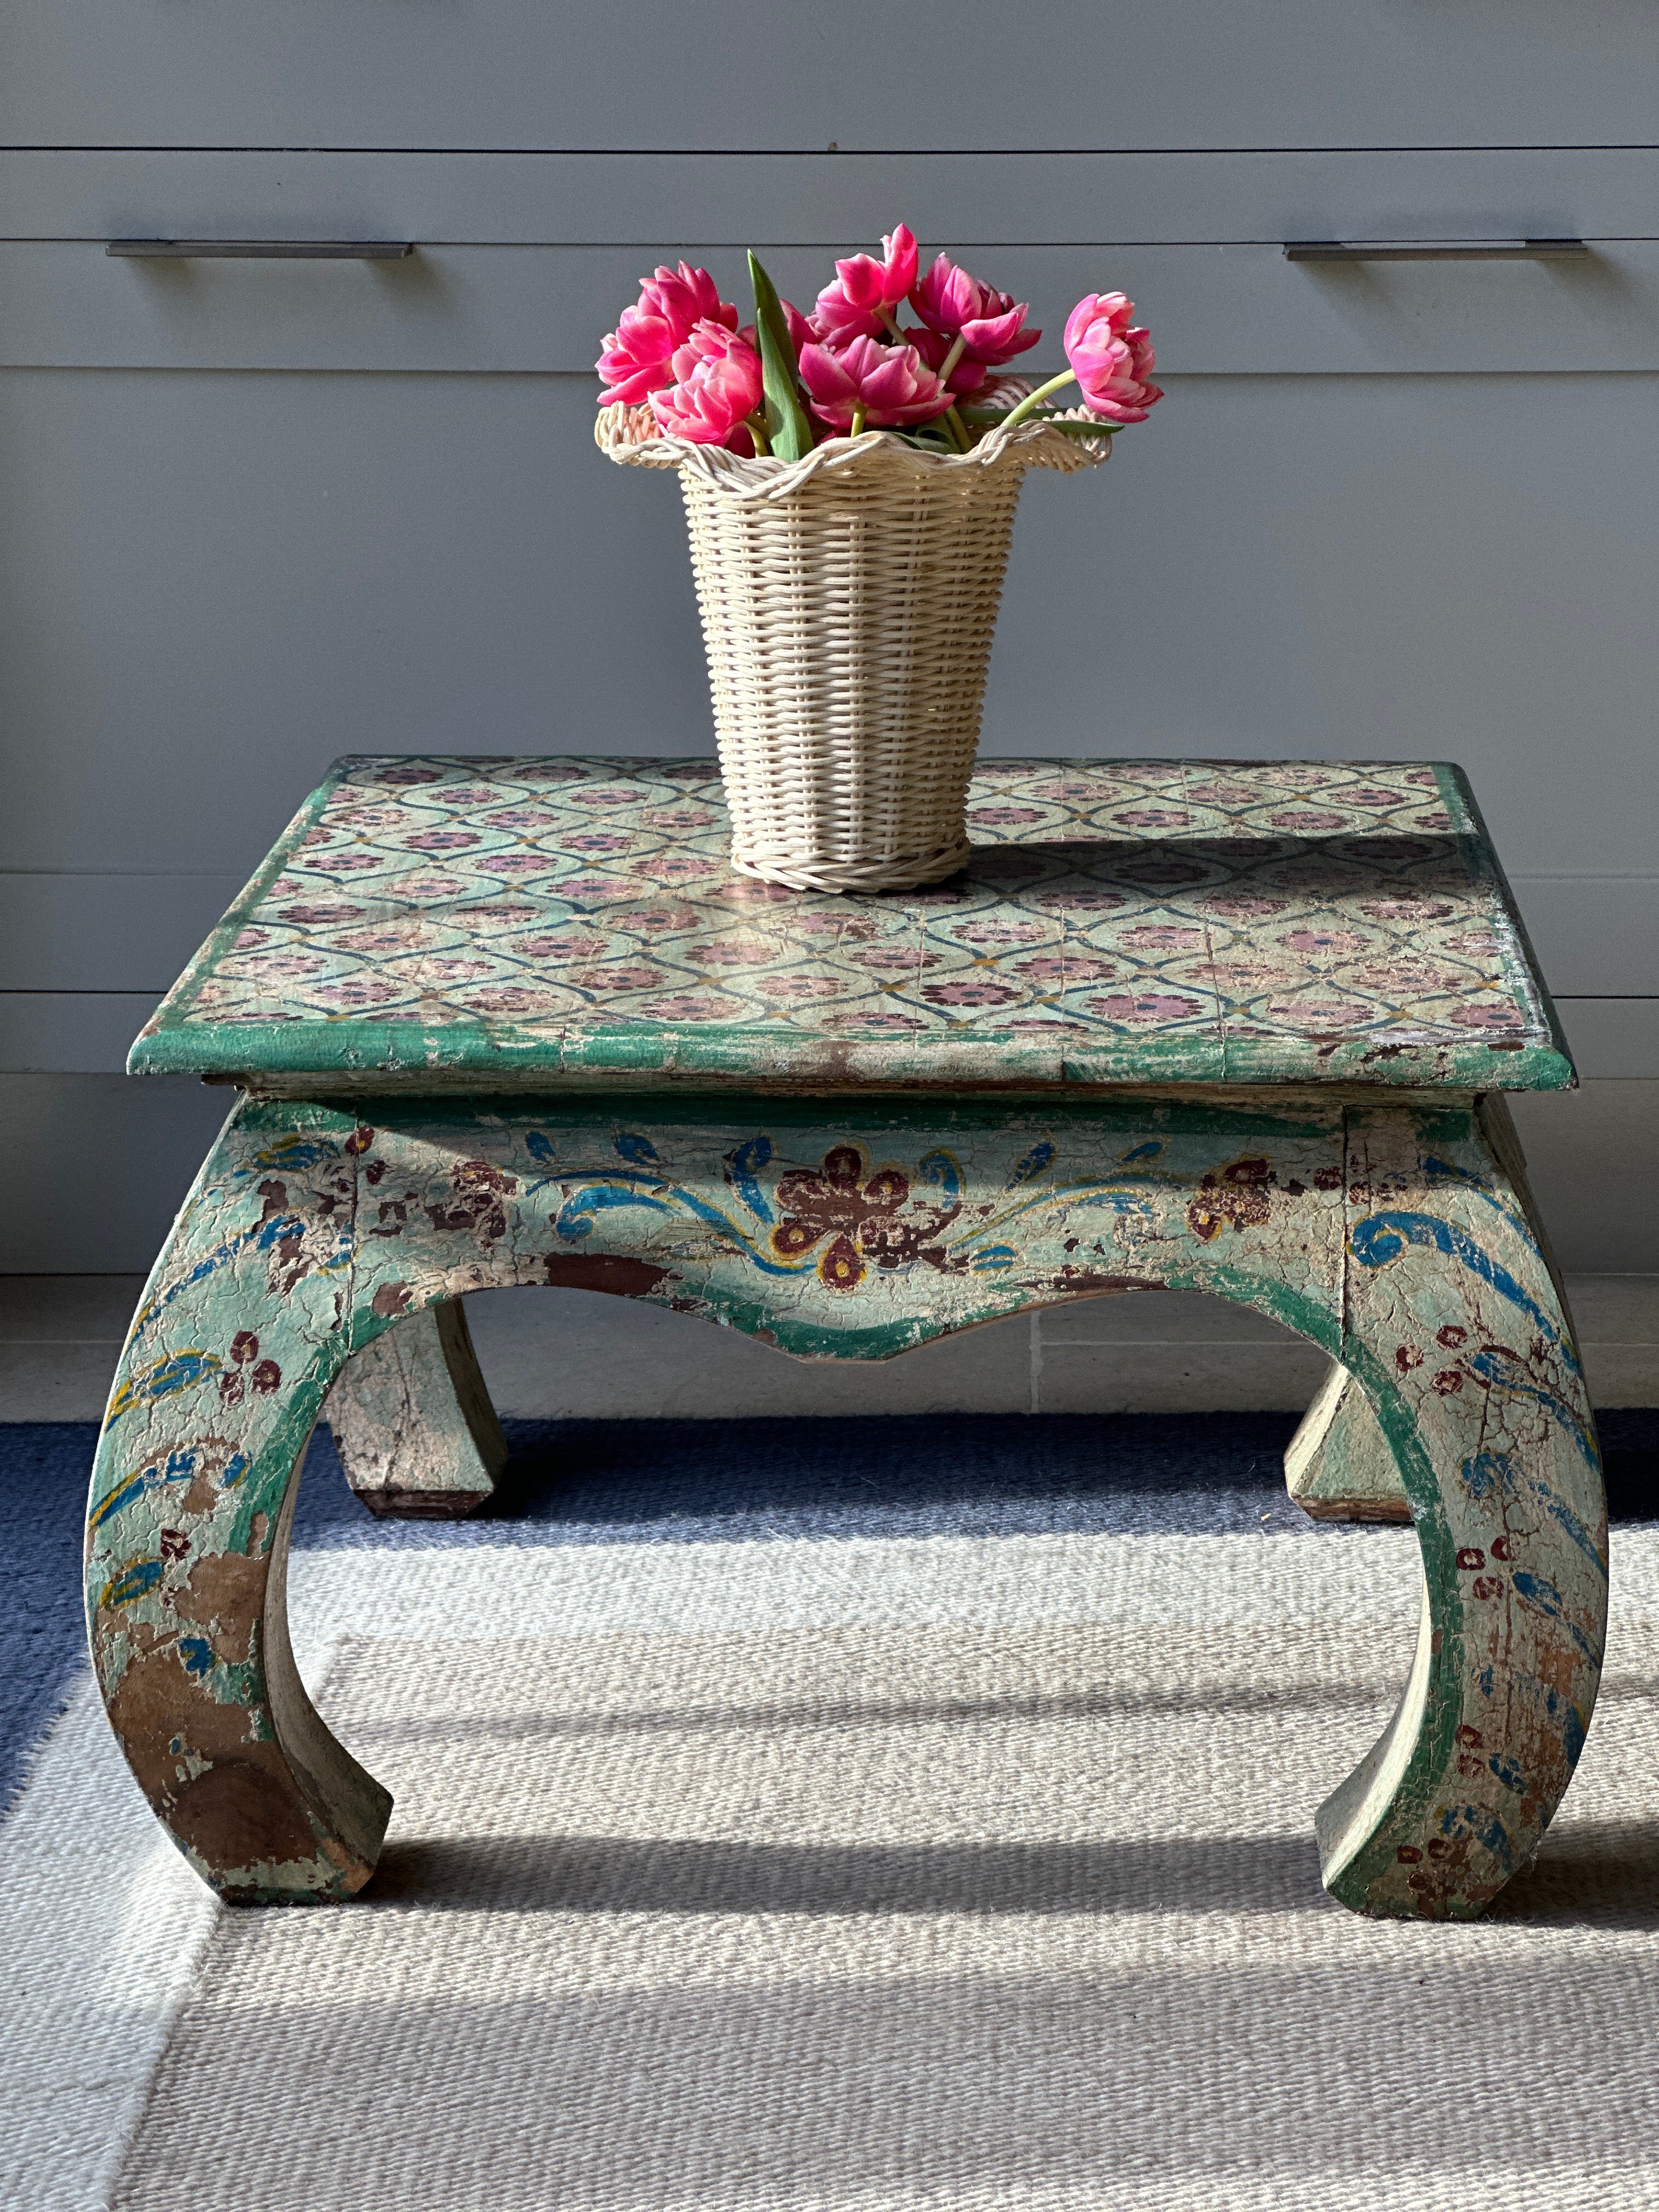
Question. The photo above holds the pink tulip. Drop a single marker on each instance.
(1111, 361)
(717, 383)
(638, 352)
(955, 305)
(849, 308)
(966, 375)
(890, 384)
(801, 332)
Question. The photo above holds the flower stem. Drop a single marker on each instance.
(757, 430)
(958, 428)
(1019, 414)
(858, 419)
(958, 348)
(887, 316)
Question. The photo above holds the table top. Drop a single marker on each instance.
(492, 923)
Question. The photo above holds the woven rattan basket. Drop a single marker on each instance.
(849, 601)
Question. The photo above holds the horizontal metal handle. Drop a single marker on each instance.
(257, 249)
(1512, 249)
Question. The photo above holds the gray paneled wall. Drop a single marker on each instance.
(735, 75)
(258, 513)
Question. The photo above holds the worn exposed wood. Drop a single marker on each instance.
(1384, 1228)
(412, 1420)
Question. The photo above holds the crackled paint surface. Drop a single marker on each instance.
(1384, 1228)
(511, 920)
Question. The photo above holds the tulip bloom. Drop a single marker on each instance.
(865, 382)
(801, 332)
(957, 305)
(852, 307)
(966, 374)
(638, 354)
(1111, 362)
(716, 387)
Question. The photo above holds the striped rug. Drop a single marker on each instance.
(823, 1817)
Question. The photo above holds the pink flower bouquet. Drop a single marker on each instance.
(850, 478)
(787, 382)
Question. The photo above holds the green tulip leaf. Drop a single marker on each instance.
(787, 428)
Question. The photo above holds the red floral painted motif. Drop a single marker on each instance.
(477, 1206)
(860, 1219)
(1238, 1196)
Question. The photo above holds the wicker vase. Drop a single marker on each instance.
(849, 602)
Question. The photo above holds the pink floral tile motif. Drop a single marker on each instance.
(596, 841)
(461, 794)
(432, 889)
(804, 988)
(597, 796)
(994, 933)
(348, 863)
(1150, 1010)
(274, 964)
(556, 948)
(1414, 912)
(1004, 818)
(1327, 943)
(433, 971)
(1086, 899)
(1157, 937)
(732, 953)
(658, 920)
(525, 1000)
(382, 939)
(1243, 908)
(356, 993)
(530, 819)
(1286, 910)
(969, 991)
(673, 1006)
(521, 866)
(679, 867)
(593, 890)
(893, 959)
(621, 975)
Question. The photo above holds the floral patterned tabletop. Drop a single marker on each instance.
(487, 922)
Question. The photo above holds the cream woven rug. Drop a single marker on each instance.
(952, 1872)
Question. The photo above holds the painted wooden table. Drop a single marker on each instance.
(1235, 1028)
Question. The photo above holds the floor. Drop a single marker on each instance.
(575, 1354)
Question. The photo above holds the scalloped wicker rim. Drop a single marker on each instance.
(629, 434)
(849, 601)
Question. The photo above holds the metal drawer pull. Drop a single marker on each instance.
(1513, 249)
(257, 249)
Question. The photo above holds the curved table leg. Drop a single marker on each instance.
(1455, 1326)
(240, 1330)
(412, 1421)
